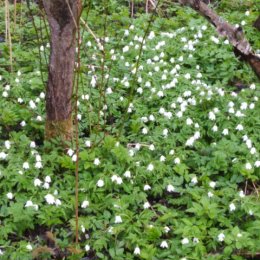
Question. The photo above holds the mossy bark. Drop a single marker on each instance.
(62, 129)
(63, 18)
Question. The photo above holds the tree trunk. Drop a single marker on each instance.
(63, 16)
(235, 35)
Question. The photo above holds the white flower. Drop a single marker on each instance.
(118, 219)
(162, 158)
(85, 204)
(212, 184)
(42, 95)
(70, 152)
(28, 203)
(243, 106)
(46, 185)
(26, 165)
(50, 199)
(164, 244)
(100, 183)
(57, 202)
(239, 235)
(38, 165)
(119, 180)
(96, 161)
(1, 252)
(225, 131)
(210, 194)
(151, 118)
(241, 194)
(5, 94)
(215, 128)
(10, 195)
(32, 104)
(250, 212)
(109, 91)
(93, 82)
(87, 248)
(170, 188)
(74, 157)
(253, 150)
(160, 94)
(247, 13)
(190, 141)
(88, 143)
(171, 152)
(165, 132)
(185, 241)
(127, 174)
(47, 179)
(248, 166)
(7, 145)
(257, 164)
(221, 237)
(83, 229)
(195, 240)
(38, 158)
(32, 144)
(147, 187)
(126, 49)
(29, 247)
(147, 205)
(249, 143)
(166, 229)
(113, 178)
(151, 147)
(144, 131)
(232, 207)
(37, 182)
(177, 160)
(150, 167)
(239, 127)
(3, 155)
(137, 251)
(189, 121)
(194, 180)
(39, 118)
(231, 110)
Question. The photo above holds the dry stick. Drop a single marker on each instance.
(102, 87)
(132, 8)
(235, 35)
(100, 46)
(146, 6)
(8, 33)
(38, 39)
(256, 190)
(14, 14)
(77, 129)
(6, 20)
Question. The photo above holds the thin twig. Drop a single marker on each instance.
(256, 190)
(100, 46)
(74, 20)
(77, 130)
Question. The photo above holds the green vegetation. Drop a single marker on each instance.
(169, 163)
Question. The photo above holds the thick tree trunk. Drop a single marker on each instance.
(63, 18)
(235, 35)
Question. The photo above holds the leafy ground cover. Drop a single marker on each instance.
(169, 145)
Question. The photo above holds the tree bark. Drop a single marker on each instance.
(63, 16)
(235, 35)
